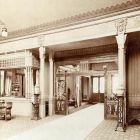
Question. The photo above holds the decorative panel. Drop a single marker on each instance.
(61, 97)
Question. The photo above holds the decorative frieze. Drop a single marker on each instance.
(73, 20)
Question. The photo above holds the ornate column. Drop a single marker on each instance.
(25, 72)
(78, 94)
(105, 93)
(28, 82)
(42, 53)
(121, 94)
(90, 88)
(51, 85)
(37, 77)
(32, 84)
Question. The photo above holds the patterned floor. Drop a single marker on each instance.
(20, 124)
(105, 131)
(76, 126)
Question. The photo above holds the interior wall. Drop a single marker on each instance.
(133, 69)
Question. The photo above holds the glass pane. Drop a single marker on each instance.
(102, 84)
(114, 83)
(95, 85)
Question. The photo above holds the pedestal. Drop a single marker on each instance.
(120, 111)
(35, 107)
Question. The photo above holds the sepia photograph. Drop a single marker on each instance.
(69, 69)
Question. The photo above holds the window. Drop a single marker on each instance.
(114, 83)
(102, 84)
(95, 85)
(98, 85)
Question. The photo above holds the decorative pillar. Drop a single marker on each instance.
(32, 84)
(78, 94)
(105, 93)
(37, 77)
(90, 88)
(121, 94)
(51, 85)
(121, 60)
(42, 53)
(25, 72)
(28, 82)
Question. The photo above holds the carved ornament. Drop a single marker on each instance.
(121, 25)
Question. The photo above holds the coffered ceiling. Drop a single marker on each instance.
(20, 14)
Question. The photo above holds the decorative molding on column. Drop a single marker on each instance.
(121, 39)
(121, 93)
(28, 82)
(42, 52)
(121, 25)
(51, 85)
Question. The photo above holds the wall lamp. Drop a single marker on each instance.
(4, 32)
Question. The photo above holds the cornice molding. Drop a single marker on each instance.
(73, 20)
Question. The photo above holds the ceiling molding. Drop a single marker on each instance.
(73, 20)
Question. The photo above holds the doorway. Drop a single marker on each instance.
(98, 84)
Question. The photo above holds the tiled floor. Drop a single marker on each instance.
(105, 131)
(18, 125)
(77, 126)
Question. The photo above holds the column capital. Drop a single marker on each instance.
(121, 38)
(120, 25)
(42, 52)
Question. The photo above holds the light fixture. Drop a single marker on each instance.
(4, 32)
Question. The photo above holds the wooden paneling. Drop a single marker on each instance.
(133, 74)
